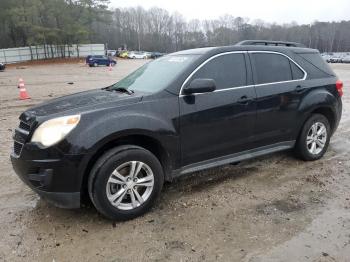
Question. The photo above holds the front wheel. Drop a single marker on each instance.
(125, 182)
(314, 138)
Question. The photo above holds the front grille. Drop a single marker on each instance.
(24, 126)
(17, 148)
(20, 137)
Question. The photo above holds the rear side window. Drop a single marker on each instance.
(270, 68)
(226, 70)
(316, 60)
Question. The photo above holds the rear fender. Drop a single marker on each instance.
(314, 100)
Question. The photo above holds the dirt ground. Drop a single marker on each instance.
(274, 208)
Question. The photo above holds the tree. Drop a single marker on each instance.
(59, 23)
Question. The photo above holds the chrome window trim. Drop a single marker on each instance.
(237, 87)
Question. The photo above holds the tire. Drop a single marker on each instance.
(309, 144)
(101, 190)
(95, 65)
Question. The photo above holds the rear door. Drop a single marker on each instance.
(219, 123)
(279, 88)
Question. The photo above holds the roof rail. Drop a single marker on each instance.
(270, 43)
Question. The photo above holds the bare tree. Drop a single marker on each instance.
(54, 23)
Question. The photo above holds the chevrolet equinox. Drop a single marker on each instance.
(184, 112)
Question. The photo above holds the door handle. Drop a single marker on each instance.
(244, 100)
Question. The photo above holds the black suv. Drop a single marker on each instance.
(184, 112)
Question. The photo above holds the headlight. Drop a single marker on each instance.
(54, 130)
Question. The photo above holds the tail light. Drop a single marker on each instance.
(339, 86)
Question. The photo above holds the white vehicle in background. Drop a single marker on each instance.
(346, 59)
(111, 52)
(137, 55)
(336, 58)
(326, 57)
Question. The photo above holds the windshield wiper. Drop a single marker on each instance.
(121, 89)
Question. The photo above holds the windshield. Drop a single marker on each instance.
(157, 75)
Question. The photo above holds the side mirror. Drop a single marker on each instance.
(200, 85)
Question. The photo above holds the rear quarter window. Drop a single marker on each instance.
(316, 61)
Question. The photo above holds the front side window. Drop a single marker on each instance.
(270, 68)
(227, 71)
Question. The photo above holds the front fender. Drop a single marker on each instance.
(103, 129)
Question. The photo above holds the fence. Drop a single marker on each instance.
(21, 54)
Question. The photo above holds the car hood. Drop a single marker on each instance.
(84, 101)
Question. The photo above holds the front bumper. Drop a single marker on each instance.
(58, 180)
(60, 199)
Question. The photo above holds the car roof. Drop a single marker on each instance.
(232, 48)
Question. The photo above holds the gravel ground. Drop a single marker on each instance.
(273, 208)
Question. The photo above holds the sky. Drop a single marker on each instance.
(279, 11)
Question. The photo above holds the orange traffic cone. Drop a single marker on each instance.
(22, 90)
(110, 67)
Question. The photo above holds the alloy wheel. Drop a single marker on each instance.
(316, 138)
(130, 185)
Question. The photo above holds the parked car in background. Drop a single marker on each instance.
(148, 54)
(326, 57)
(137, 55)
(87, 59)
(346, 59)
(335, 59)
(184, 112)
(2, 66)
(123, 54)
(111, 52)
(155, 55)
(96, 60)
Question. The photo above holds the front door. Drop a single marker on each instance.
(222, 122)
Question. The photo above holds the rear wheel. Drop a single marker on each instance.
(125, 182)
(314, 138)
